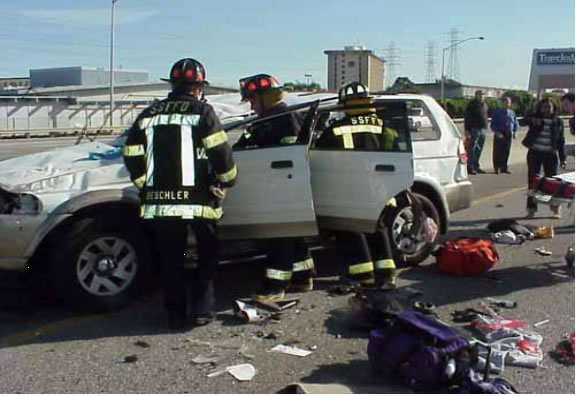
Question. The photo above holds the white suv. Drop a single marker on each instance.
(71, 213)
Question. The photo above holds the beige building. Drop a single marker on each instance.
(355, 63)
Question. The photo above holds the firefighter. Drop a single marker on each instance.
(179, 158)
(291, 265)
(369, 256)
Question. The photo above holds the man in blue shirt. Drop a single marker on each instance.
(504, 125)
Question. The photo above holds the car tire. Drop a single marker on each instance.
(100, 264)
(406, 251)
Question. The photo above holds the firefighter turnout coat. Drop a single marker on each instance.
(282, 129)
(362, 132)
(175, 151)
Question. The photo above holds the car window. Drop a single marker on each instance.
(272, 131)
(420, 121)
(386, 129)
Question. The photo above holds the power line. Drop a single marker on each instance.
(392, 57)
(453, 66)
(431, 62)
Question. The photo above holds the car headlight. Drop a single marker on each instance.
(18, 204)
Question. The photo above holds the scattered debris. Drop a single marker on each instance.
(228, 344)
(503, 303)
(202, 359)
(142, 344)
(425, 307)
(247, 312)
(543, 251)
(244, 353)
(131, 359)
(313, 347)
(544, 232)
(242, 372)
(289, 350)
(279, 305)
(542, 322)
(341, 290)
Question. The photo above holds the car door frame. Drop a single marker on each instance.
(273, 196)
(339, 209)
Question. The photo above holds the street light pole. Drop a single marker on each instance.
(443, 77)
(112, 64)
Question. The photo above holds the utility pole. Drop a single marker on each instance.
(443, 77)
(392, 56)
(112, 63)
(431, 62)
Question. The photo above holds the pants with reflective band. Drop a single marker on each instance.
(283, 253)
(303, 266)
(186, 290)
(354, 248)
(381, 251)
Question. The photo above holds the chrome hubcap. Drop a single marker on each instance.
(401, 233)
(107, 266)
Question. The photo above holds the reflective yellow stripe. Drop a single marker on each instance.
(385, 264)
(362, 268)
(183, 211)
(133, 150)
(289, 140)
(169, 119)
(348, 141)
(278, 275)
(392, 202)
(228, 176)
(346, 129)
(390, 136)
(215, 139)
(140, 181)
(303, 265)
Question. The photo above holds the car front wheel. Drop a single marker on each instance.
(411, 248)
(100, 264)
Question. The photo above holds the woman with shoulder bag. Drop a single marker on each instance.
(545, 143)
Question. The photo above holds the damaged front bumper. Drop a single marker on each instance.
(21, 218)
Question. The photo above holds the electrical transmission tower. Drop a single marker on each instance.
(431, 62)
(453, 70)
(392, 56)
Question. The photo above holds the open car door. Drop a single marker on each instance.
(351, 187)
(273, 196)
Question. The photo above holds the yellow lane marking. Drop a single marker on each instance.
(498, 195)
(28, 335)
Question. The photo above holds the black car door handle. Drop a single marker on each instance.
(385, 168)
(281, 164)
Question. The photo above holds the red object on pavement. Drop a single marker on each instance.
(552, 186)
(467, 257)
(572, 341)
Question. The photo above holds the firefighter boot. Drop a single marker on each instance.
(385, 273)
(302, 276)
(275, 286)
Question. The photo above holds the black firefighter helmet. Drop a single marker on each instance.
(187, 71)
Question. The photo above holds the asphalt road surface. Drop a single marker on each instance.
(46, 348)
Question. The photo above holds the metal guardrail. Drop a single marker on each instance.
(60, 132)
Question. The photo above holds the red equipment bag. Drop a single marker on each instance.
(467, 257)
(552, 186)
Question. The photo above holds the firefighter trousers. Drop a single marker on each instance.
(189, 291)
(368, 256)
(290, 261)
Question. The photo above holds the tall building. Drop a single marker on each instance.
(355, 63)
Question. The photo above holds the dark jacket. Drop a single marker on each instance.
(175, 151)
(557, 134)
(476, 116)
(283, 129)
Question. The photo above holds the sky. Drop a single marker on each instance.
(234, 39)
